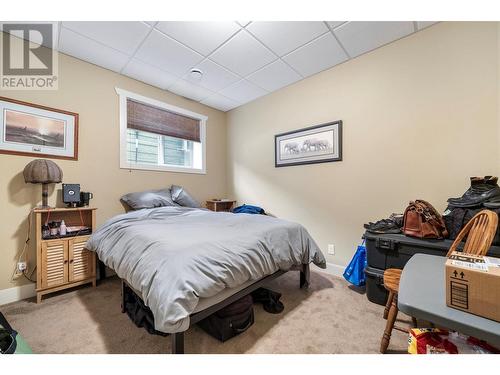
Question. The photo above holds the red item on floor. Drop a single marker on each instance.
(439, 341)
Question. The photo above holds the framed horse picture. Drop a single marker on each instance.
(316, 144)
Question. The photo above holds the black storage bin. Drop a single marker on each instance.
(375, 290)
(394, 250)
(385, 251)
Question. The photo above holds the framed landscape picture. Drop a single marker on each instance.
(316, 144)
(35, 130)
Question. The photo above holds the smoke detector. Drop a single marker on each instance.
(195, 74)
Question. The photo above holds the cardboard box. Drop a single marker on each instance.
(473, 284)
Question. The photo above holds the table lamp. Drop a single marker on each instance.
(45, 172)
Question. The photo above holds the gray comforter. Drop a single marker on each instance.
(175, 255)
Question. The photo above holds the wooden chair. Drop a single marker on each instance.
(480, 231)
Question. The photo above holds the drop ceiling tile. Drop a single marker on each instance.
(243, 54)
(320, 54)
(423, 24)
(167, 54)
(78, 46)
(220, 102)
(215, 77)
(360, 37)
(123, 36)
(243, 91)
(190, 90)
(284, 36)
(203, 37)
(274, 76)
(334, 24)
(149, 74)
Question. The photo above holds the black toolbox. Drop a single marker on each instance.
(393, 251)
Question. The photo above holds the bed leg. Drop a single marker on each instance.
(177, 343)
(123, 297)
(304, 276)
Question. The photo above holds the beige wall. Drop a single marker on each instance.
(420, 115)
(90, 91)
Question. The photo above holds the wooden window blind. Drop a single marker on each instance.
(151, 119)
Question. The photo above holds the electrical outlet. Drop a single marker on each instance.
(331, 249)
(21, 267)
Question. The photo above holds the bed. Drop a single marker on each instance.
(187, 263)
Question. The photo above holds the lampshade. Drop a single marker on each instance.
(42, 171)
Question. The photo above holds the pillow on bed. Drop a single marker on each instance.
(148, 199)
(182, 197)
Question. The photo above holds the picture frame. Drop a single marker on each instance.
(35, 130)
(316, 144)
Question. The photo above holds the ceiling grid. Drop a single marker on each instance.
(240, 61)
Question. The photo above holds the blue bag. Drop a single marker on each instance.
(248, 209)
(355, 271)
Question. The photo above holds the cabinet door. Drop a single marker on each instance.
(54, 263)
(81, 260)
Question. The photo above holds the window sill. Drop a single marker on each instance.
(162, 168)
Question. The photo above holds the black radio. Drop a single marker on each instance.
(73, 197)
(71, 194)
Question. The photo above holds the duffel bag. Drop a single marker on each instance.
(231, 320)
(422, 220)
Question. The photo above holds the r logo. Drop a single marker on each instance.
(29, 58)
(22, 59)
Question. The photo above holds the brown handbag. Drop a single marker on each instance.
(422, 220)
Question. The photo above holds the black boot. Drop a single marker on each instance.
(474, 181)
(482, 189)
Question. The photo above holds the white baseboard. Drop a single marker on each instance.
(17, 293)
(332, 269)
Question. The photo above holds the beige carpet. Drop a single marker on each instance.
(330, 317)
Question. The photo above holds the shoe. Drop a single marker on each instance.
(388, 226)
(398, 219)
(481, 190)
(475, 183)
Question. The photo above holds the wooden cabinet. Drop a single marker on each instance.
(222, 205)
(64, 262)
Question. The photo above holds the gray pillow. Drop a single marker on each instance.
(148, 199)
(182, 197)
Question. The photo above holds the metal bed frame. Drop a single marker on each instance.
(177, 339)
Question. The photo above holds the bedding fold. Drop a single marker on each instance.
(176, 255)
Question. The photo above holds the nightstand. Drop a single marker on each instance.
(61, 260)
(221, 205)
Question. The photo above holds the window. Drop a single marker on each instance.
(158, 136)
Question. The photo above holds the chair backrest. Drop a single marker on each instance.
(480, 231)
